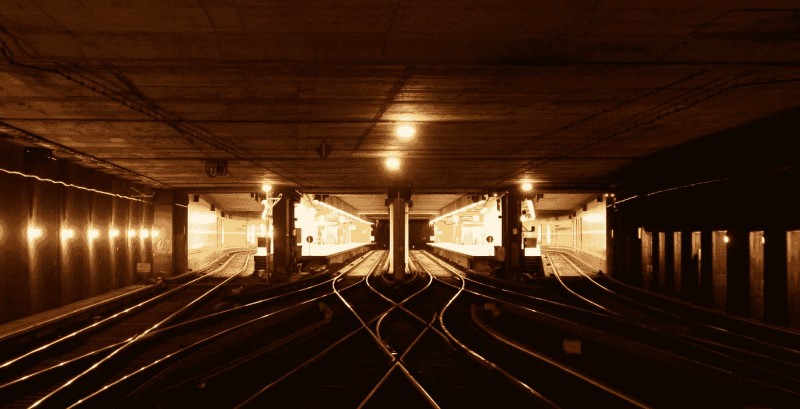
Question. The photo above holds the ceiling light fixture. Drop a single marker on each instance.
(392, 163)
(405, 131)
(527, 186)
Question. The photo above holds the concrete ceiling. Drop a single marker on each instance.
(560, 93)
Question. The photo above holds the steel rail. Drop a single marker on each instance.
(137, 338)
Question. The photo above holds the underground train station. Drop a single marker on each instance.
(399, 204)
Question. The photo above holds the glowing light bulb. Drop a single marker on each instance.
(144, 233)
(266, 187)
(113, 232)
(92, 233)
(405, 131)
(154, 233)
(392, 163)
(67, 233)
(131, 233)
(527, 187)
(34, 232)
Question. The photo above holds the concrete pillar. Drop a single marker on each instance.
(283, 239)
(398, 235)
(512, 234)
(162, 222)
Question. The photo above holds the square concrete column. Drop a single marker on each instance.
(169, 238)
(283, 239)
(512, 234)
(398, 236)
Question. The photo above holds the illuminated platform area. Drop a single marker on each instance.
(328, 254)
(325, 250)
(479, 257)
(472, 250)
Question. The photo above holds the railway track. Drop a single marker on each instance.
(771, 367)
(36, 376)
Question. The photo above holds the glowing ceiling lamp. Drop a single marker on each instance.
(405, 131)
(527, 187)
(392, 163)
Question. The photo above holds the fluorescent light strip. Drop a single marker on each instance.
(463, 209)
(337, 210)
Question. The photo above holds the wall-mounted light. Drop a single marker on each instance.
(67, 233)
(34, 232)
(144, 233)
(725, 239)
(454, 213)
(92, 233)
(131, 233)
(113, 233)
(154, 233)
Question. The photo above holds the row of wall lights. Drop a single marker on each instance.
(35, 232)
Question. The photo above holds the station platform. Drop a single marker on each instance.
(474, 257)
(40, 321)
(329, 254)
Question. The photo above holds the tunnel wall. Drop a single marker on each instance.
(210, 234)
(714, 222)
(49, 271)
(584, 233)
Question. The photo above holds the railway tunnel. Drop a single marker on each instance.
(460, 203)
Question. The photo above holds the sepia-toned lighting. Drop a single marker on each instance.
(34, 232)
(67, 233)
(92, 233)
(131, 233)
(527, 187)
(392, 163)
(266, 187)
(113, 233)
(405, 131)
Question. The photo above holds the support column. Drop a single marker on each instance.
(398, 234)
(512, 233)
(283, 240)
(169, 242)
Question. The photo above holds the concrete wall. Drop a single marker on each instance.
(210, 234)
(40, 273)
(585, 233)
